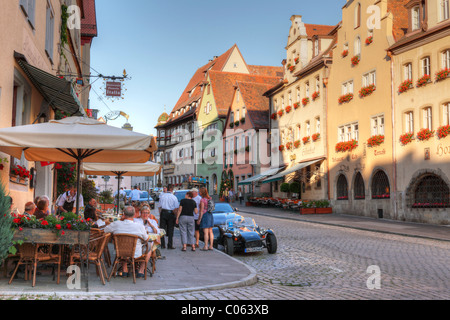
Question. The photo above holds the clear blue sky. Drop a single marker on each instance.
(162, 43)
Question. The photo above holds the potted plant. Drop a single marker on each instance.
(305, 101)
(426, 79)
(355, 60)
(345, 98)
(375, 140)
(366, 91)
(307, 207)
(442, 74)
(323, 207)
(406, 138)
(315, 137)
(2, 162)
(425, 134)
(443, 131)
(405, 86)
(315, 95)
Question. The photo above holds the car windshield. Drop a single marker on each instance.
(180, 195)
(223, 208)
(241, 222)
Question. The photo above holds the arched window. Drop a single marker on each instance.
(431, 192)
(357, 46)
(357, 15)
(342, 188)
(380, 186)
(359, 188)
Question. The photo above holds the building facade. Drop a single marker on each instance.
(35, 49)
(360, 126)
(298, 112)
(421, 85)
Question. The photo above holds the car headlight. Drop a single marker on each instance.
(262, 230)
(237, 233)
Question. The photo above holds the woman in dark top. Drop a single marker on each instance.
(186, 222)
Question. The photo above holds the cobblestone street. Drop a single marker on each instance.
(319, 262)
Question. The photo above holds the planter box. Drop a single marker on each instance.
(324, 210)
(307, 210)
(70, 237)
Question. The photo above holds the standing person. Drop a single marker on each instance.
(225, 195)
(185, 219)
(231, 195)
(135, 194)
(240, 195)
(206, 219)
(168, 207)
(67, 200)
(197, 199)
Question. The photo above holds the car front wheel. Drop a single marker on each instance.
(229, 246)
(271, 243)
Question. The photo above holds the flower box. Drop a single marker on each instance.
(375, 140)
(291, 68)
(346, 146)
(281, 148)
(425, 134)
(231, 124)
(306, 140)
(356, 60)
(296, 144)
(47, 236)
(289, 145)
(307, 210)
(369, 40)
(381, 196)
(366, 91)
(296, 105)
(426, 79)
(406, 138)
(345, 98)
(315, 95)
(315, 137)
(405, 86)
(273, 116)
(344, 53)
(443, 131)
(236, 123)
(288, 109)
(242, 120)
(280, 113)
(305, 101)
(296, 60)
(324, 210)
(442, 74)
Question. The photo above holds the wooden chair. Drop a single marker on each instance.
(96, 249)
(125, 246)
(31, 255)
(97, 232)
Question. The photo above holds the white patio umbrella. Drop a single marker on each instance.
(148, 169)
(76, 139)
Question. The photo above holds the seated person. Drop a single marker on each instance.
(128, 226)
(30, 207)
(90, 212)
(42, 209)
(150, 225)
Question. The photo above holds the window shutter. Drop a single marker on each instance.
(31, 12)
(24, 6)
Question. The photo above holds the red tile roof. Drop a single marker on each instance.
(318, 29)
(222, 84)
(256, 104)
(89, 21)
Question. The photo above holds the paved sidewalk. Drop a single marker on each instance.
(178, 272)
(362, 223)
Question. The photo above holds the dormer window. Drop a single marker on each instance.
(415, 18)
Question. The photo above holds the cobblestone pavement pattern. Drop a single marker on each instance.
(327, 262)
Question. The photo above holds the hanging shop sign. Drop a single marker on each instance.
(113, 89)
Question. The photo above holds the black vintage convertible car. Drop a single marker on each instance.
(242, 234)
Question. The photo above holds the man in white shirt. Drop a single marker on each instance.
(168, 208)
(67, 201)
(135, 194)
(128, 226)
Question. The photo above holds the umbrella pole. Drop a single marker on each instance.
(78, 185)
(118, 192)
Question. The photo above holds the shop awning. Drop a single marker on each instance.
(56, 91)
(295, 168)
(259, 177)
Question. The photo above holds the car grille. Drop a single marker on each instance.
(253, 244)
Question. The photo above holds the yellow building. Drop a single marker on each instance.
(360, 148)
(421, 68)
(30, 39)
(298, 111)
